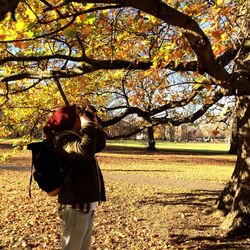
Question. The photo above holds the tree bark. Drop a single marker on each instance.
(225, 200)
(8, 6)
(184, 133)
(172, 134)
(151, 139)
(235, 199)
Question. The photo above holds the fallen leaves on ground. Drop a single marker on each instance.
(135, 216)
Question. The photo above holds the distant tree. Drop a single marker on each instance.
(172, 134)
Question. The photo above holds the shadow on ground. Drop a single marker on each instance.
(6, 145)
(201, 198)
(212, 242)
(197, 203)
(14, 168)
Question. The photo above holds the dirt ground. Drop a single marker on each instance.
(142, 211)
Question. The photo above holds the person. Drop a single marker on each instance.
(76, 139)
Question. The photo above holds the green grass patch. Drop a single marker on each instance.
(208, 162)
(190, 146)
(127, 143)
(208, 146)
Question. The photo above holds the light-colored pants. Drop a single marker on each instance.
(76, 228)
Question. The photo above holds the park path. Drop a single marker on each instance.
(145, 180)
(162, 182)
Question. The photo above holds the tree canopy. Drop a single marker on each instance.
(151, 57)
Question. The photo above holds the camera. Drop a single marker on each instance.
(89, 111)
(89, 115)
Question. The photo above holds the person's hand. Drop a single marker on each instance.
(95, 119)
(84, 120)
(92, 110)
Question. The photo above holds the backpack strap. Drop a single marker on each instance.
(31, 177)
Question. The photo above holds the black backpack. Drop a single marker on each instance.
(46, 167)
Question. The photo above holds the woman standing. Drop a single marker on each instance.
(76, 139)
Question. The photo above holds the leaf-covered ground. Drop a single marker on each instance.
(155, 201)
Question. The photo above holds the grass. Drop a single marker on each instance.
(197, 146)
(190, 146)
(205, 162)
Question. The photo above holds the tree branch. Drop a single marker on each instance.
(42, 75)
(172, 121)
(119, 64)
(59, 86)
(148, 115)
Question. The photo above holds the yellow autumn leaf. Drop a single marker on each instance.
(52, 14)
(144, 42)
(118, 74)
(29, 34)
(20, 25)
(10, 35)
(90, 5)
(224, 37)
(78, 20)
(30, 14)
(166, 57)
(220, 2)
(152, 19)
(176, 62)
(120, 37)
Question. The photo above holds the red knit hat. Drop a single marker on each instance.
(63, 119)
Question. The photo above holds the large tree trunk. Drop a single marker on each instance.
(151, 139)
(184, 133)
(172, 134)
(226, 198)
(235, 199)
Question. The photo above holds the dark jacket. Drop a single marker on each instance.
(82, 178)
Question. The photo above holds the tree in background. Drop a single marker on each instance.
(205, 44)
